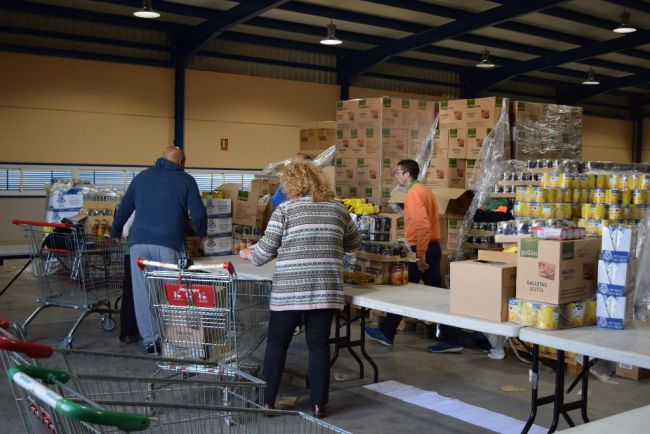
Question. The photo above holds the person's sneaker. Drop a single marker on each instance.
(152, 349)
(444, 347)
(377, 335)
(298, 330)
(497, 353)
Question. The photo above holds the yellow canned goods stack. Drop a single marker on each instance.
(548, 317)
(643, 182)
(639, 197)
(530, 313)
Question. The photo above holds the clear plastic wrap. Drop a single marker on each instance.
(487, 172)
(546, 131)
(642, 286)
(324, 159)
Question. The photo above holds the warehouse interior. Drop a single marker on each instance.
(88, 87)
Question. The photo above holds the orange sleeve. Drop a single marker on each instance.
(419, 222)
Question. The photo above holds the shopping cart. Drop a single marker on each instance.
(74, 391)
(203, 311)
(74, 270)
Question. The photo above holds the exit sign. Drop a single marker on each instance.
(224, 144)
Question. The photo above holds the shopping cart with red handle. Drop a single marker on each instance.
(75, 270)
(203, 311)
(70, 391)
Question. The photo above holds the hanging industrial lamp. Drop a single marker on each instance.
(331, 38)
(485, 60)
(591, 78)
(625, 26)
(146, 11)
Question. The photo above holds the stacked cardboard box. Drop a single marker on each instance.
(464, 124)
(315, 137)
(63, 205)
(372, 135)
(616, 277)
(219, 240)
(546, 131)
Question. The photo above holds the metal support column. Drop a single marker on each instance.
(179, 104)
(637, 146)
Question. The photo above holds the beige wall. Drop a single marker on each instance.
(607, 139)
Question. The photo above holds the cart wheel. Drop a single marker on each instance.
(108, 323)
(65, 344)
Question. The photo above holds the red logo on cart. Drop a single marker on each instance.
(202, 295)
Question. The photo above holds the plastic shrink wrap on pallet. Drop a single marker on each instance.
(642, 287)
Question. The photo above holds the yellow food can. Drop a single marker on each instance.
(623, 182)
(638, 197)
(549, 210)
(627, 211)
(514, 310)
(626, 197)
(601, 181)
(573, 314)
(598, 196)
(546, 179)
(612, 196)
(598, 211)
(529, 313)
(555, 179)
(534, 209)
(566, 180)
(576, 210)
(591, 181)
(548, 317)
(585, 210)
(612, 181)
(590, 312)
(530, 194)
(643, 182)
(615, 212)
(537, 195)
(638, 211)
(520, 194)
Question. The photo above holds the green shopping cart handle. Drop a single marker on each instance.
(125, 421)
(46, 375)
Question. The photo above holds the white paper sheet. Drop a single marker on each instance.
(453, 407)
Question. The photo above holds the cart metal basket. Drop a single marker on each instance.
(74, 270)
(206, 312)
(69, 391)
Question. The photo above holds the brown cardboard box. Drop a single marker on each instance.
(474, 142)
(445, 173)
(483, 112)
(107, 208)
(452, 114)
(247, 207)
(482, 290)
(631, 372)
(457, 143)
(557, 272)
(494, 256)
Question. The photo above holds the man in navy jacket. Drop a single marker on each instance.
(167, 201)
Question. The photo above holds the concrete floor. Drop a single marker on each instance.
(470, 377)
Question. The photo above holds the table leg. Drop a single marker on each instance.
(362, 323)
(533, 375)
(15, 277)
(558, 402)
(586, 366)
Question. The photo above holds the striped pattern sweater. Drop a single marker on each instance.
(309, 240)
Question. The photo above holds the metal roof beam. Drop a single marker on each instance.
(95, 17)
(209, 30)
(580, 93)
(362, 63)
(493, 78)
(633, 4)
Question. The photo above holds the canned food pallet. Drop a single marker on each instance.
(74, 270)
(203, 311)
(68, 391)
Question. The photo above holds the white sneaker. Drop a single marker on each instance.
(298, 330)
(497, 353)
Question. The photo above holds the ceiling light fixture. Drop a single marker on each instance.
(591, 78)
(485, 60)
(146, 11)
(625, 26)
(331, 38)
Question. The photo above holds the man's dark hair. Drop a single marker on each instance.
(410, 166)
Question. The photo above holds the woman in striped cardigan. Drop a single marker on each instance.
(308, 234)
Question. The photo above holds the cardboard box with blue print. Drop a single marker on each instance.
(557, 272)
(218, 207)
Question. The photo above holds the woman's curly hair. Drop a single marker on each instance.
(304, 179)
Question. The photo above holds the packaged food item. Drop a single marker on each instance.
(396, 275)
(514, 310)
(598, 196)
(638, 197)
(590, 312)
(548, 317)
(573, 314)
(529, 313)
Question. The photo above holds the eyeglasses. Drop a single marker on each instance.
(401, 172)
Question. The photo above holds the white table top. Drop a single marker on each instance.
(630, 422)
(631, 346)
(11, 250)
(413, 300)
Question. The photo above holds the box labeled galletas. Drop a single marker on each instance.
(557, 272)
(452, 114)
(618, 243)
(456, 172)
(395, 142)
(456, 147)
(612, 311)
(496, 281)
(483, 112)
(616, 278)
(345, 171)
(474, 142)
(367, 171)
